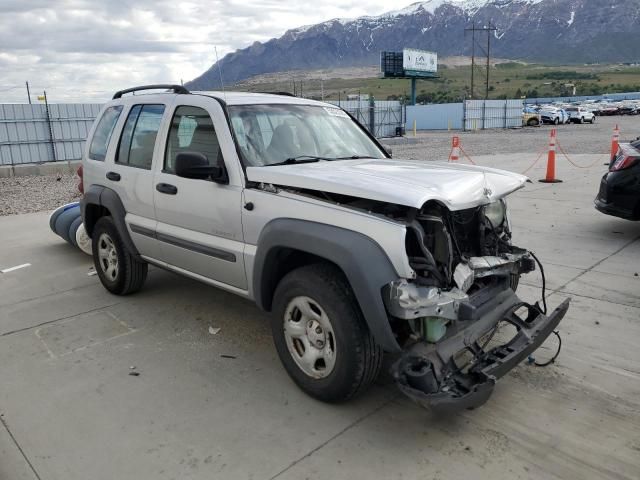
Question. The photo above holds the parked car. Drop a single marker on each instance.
(292, 203)
(553, 115)
(619, 193)
(580, 115)
(629, 109)
(530, 117)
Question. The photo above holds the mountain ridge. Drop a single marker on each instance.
(550, 31)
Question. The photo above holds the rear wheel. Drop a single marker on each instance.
(532, 122)
(119, 271)
(321, 336)
(593, 120)
(556, 121)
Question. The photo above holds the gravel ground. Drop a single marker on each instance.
(574, 139)
(37, 193)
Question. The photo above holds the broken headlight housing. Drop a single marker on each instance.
(496, 212)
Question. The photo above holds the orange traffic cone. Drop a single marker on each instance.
(454, 156)
(551, 160)
(614, 142)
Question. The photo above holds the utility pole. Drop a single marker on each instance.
(473, 56)
(487, 53)
(28, 93)
(489, 33)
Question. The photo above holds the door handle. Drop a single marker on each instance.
(113, 176)
(167, 188)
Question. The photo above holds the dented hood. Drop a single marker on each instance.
(402, 182)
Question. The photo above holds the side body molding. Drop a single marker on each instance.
(97, 195)
(363, 261)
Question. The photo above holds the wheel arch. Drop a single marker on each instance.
(286, 244)
(99, 201)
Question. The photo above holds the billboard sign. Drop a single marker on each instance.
(419, 61)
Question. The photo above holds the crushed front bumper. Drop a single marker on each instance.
(428, 373)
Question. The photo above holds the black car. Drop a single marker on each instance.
(619, 193)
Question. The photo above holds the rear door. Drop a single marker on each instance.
(199, 221)
(129, 171)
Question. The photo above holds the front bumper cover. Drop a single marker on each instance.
(428, 374)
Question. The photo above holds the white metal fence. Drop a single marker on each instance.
(383, 118)
(482, 114)
(470, 115)
(37, 134)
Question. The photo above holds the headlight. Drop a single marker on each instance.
(496, 212)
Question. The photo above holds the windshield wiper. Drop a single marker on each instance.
(351, 157)
(300, 159)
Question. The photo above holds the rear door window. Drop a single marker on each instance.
(139, 136)
(103, 132)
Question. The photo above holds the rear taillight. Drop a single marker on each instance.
(623, 161)
(81, 184)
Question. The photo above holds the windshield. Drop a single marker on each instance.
(273, 134)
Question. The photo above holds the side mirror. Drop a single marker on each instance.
(196, 165)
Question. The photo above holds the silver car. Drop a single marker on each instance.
(293, 204)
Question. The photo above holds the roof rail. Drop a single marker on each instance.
(176, 89)
(286, 94)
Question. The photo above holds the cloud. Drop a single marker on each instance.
(84, 50)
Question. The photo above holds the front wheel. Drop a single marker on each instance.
(556, 121)
(119, 271)
(321, 336)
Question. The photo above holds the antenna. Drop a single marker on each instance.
(220, 72)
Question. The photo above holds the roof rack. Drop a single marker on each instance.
(176, 89)
(286, 94)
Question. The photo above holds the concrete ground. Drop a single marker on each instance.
(220, 406)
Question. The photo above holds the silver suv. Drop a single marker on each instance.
(292, 203)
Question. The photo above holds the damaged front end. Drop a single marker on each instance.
(467, 272)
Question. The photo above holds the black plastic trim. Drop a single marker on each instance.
(176, 89)
(109, 199)
(196, 247)
(363, 261)
(178, 242)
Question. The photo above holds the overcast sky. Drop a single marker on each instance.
(84, 50)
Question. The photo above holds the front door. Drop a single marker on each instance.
(199, 221)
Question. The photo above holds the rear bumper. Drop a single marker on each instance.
(614, 210)
(428, 373)
(619, 195)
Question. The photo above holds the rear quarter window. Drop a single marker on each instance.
(103, 132)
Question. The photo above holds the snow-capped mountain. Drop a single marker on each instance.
(551, 31)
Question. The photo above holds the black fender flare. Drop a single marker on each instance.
(97, 195)
(365, 264)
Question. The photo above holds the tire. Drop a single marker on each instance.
(581, 121)
(57, 212)
(350, 359)
(73, 228)
(64, 221)
(532, 122)
(119, 271)
(556, 121)
(593, 120)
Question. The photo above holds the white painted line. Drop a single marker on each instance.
(11, 269)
